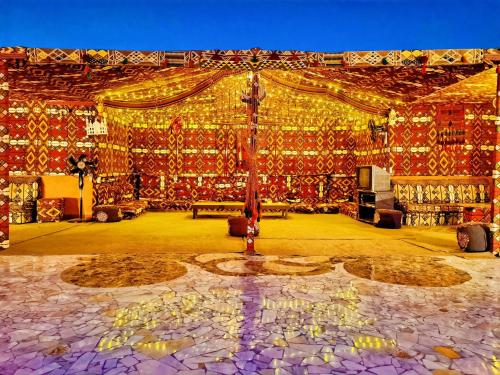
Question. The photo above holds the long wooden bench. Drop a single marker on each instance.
(237, 206)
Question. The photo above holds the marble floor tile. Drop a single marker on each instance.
(280, 317)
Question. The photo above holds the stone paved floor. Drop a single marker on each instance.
(207, 323)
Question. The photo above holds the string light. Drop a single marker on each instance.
(217, 106)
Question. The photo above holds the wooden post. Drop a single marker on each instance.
(496, 175)
(4, 149)
(251, 201)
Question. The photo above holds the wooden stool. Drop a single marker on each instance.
(389, 218)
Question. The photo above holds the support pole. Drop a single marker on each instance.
(251, 201)
(4, 150)
(496, 175)
(81, 204)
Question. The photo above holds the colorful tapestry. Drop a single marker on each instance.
(49, 210)
(415, 143)
(496, 173)
(23, 189)
(112, 190)
(43, 136)
(4, 152)
(23, 194)
(22, 213)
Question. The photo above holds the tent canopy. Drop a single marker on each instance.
(377, 78)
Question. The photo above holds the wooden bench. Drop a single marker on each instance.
(237, 206)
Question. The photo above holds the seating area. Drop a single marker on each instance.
(423, 200)
(118, 192)
(143, 149)
(440, 200)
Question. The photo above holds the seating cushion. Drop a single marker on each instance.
(473, 237)
(238, 226)
(349, 209)
(168, 205)
(304, 208)
(22, 213)
(327, 208)
(49, 210)
(107, 213)
(132, 207)
(389, 218)
(23, 188)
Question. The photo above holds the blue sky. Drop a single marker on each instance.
(317, 25)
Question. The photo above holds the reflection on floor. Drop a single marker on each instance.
(274, 321)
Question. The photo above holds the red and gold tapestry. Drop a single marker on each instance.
(4, 150)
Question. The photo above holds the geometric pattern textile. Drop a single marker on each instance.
(23, 194)
(56, 72)
(254, 58)
(438, 192)
(4, 149)
(22, 213)
(432, 216)
(477, 214)
(23, 189)
(309, 189)
(415, 147)
(50, 210)
(496, 173)
(442, 200)
(43, 136)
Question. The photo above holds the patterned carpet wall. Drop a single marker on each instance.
(305, 151)
(4, 162)
(112, 151)
(114, 165)
(202, 162)
(368, 152)
(298, 158)
(43, 136)
(418, 140)
(215, 152)
(310, 189)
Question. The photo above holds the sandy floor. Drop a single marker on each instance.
(177, 232)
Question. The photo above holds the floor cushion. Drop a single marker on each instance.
(22, 213)
(49, 210)
(132, 208)
(389, 218)
(238, 226)
(303, 208)
(107, 213)
(327, 208)
(473, 237)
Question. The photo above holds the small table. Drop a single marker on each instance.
(237, 206)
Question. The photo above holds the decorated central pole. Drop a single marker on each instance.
(252, 203)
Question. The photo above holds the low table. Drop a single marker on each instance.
(237, 206)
